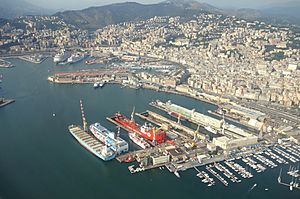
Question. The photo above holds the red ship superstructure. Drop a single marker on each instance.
(146, 131)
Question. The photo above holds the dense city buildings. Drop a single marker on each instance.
(224, 55)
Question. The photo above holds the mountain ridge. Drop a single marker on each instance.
(14, 8)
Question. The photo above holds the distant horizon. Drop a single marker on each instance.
(79, 4)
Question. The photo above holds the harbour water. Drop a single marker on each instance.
(40, 159)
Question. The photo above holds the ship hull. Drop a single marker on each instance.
(139, 142)
(158, 137)
(88, 147)
(108, 138)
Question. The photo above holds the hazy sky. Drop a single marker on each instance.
(80, 4)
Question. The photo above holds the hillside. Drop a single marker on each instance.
(96, 17)
(14, 8)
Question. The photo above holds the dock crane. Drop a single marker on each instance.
(83, 116)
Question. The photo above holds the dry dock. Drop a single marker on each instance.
(125, 128)
(161, 121)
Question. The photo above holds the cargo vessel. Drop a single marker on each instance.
(91, 143)
(139, 140)
(109, 138)
(147, 131)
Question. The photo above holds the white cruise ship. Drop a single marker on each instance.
(61, 56)
(109, 138)
(75, 58)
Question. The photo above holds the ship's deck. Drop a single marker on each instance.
(88, 139)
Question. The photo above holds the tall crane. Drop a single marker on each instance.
(83, 116)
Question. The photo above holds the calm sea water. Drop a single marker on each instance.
(40, 159)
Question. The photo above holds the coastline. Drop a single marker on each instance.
(51, 79)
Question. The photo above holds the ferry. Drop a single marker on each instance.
(109, 138)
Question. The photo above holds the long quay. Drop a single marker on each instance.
(88, 76)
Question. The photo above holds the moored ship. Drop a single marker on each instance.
(139, 141)
(91, 144)
(146, 131)
(109, 138)
(75, 58)
(61, 56)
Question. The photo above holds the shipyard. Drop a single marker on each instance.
(180, 139)
(229, 144)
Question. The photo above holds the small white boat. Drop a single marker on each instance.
(177, 174)
(101, 84)
(96, 85)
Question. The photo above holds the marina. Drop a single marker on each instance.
(217, 175)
